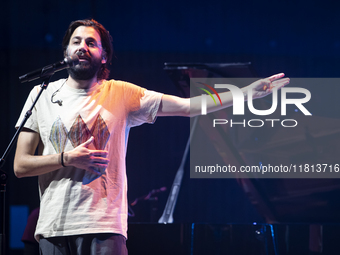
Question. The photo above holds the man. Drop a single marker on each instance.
(80, 126)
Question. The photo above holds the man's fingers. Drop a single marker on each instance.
(280, 83)
(99, 153)
(88, 142)
(100, 160)
(274, 83)
(275, 77)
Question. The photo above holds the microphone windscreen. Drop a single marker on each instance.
(72, 60)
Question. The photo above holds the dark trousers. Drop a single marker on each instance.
(90, 244)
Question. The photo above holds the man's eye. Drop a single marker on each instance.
(91, 44)
(76, 42)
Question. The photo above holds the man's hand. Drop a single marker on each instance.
(84, 158)
(264, 87)
(176, 106)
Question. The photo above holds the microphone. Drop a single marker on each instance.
(50, 69)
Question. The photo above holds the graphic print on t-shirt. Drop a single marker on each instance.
(58, 135)
(79, 133)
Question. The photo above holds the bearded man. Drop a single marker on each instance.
(80, 126)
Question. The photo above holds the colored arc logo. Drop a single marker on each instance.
(208, 92)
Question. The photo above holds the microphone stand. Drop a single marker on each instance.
(3, 174)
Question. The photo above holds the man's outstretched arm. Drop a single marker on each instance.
(189, 107)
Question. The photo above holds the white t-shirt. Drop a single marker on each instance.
(74, 201)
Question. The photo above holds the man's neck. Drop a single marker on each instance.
(81, 84)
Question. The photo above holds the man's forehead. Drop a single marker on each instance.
(85, 32)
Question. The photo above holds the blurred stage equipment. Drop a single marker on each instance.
(312, 202)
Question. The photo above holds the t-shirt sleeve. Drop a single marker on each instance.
(31, 123)
(147, 112)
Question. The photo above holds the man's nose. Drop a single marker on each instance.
(83, 47)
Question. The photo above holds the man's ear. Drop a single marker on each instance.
(104, 58)
(65, 52)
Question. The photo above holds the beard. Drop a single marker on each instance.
(85, 70)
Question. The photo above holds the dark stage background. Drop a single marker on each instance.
(299, 38)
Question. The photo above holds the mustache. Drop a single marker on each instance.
(83, 55)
